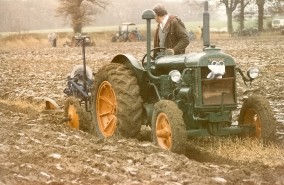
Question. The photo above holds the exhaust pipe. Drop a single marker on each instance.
(148, 15)
(206, 26)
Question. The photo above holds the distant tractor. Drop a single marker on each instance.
(75, 42)
(191, 35)
(127, 32)
(178, 96)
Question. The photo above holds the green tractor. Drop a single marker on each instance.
(178, 96)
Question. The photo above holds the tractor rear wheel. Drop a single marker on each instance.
(256, 111)
(168, 127)
(116, 102)
(132, 37)
(78, 118)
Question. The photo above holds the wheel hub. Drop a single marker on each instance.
(163, 131)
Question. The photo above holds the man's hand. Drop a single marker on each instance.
(169, 52)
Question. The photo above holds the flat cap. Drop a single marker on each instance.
(160, 10)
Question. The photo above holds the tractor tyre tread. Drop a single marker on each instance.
(268, 121)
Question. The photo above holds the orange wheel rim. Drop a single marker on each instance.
(106, 107)
(132, 37)
(73, 117)
(163, 131)
(252, 117)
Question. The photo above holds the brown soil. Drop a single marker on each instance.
(37, 148)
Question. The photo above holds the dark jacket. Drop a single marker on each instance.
(176, 35)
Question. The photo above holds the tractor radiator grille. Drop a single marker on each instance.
(218, 91)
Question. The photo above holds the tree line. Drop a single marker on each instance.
(25, 15)
(272, 7)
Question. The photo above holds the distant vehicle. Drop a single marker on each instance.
(246, 32)
(277, 23)
(191, 35)
(127, 32)
(75, 42)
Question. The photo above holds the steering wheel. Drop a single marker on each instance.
(151, 56)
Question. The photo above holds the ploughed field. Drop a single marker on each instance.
(37, 148)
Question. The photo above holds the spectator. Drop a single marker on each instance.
(199, 33)
(49, 37)
(54, 39)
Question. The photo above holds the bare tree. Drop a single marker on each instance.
(230, 5)
(277, 8)
(241, 15)
(80, 12)
(197, 6)
(260, 5)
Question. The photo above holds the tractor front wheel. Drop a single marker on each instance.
(168, 127)
(256, 111)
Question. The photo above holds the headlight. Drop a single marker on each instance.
(253, 73)
(175, 76)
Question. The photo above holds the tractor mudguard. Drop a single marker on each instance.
(132, 63)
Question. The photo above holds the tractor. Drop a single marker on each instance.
(75, 42)
(178, 96)
(127, 32)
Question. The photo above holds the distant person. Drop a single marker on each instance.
(49, 37)
(139, 36)
(54, 39)
(191, 35)
(199, 32)
(170, 33)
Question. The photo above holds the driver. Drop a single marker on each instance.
(170, 33)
